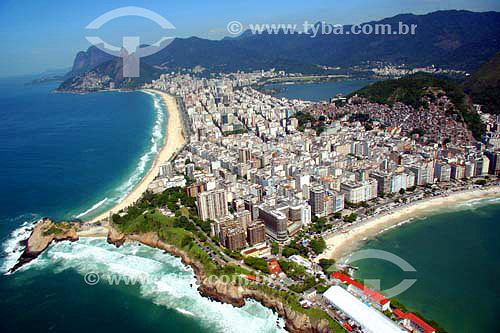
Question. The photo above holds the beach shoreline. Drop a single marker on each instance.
(342, 243)
(173, 141)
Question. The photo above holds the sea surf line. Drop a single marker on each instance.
(157, 136)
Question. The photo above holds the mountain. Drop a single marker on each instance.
(108, 75)
(87, 60)
(420, 90)
(448, 39)
(484, 85)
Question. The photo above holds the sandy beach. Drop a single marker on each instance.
(341, 243)
(173, 142)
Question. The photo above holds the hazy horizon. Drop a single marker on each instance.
(38, 42)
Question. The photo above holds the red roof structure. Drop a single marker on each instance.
(375, 296)
(252, 278)
(274, 268)
(348, 327)
(422, 325)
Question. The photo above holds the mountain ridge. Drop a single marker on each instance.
(484, 85)
(448, 39)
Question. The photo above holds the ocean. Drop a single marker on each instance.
(318, 92)
(455, 253)
(454, 250)
(69, 156)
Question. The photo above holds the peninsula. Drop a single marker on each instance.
(271, 191)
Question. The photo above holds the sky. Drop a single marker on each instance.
(46, 34)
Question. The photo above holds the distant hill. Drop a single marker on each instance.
(416, 91)
(484, 85)
(87, 60)
(448, 39)
(106, 73)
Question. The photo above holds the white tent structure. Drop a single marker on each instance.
(370, 320)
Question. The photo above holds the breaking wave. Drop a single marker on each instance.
(144, 163)
(13, 246)
(171, 283)
(94, 207)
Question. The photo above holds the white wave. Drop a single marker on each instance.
(397, 225)
(13, 247)
(472, 204)
(156, 140)
(186, 312)
(169, 282)
(94, 207)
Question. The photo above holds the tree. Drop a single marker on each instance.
(325, 264)
(318, 245)
(257, 263)
(481, 182)
(275, 248)
(289, 251)
(187, 241)
(402, 191)
(351, 218)
(116, 218)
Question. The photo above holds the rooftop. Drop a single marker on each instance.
(367, 317)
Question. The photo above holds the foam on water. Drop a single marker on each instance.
(169, 283)
(156, 142)
(157, 137)
(94, 207)
(186, 312)
(13, 246)
(472, 204)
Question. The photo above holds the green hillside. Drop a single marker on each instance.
(484, 86)
(410, 90)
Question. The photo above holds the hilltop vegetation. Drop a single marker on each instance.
(410, 90)
(179, 231)
(484, 86)
(415, 90)
(111, 71)
(448, 39)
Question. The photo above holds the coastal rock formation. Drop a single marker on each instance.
(116, 237)
(230, 293)
(43, 234)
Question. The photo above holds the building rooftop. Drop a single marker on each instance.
(370, 320)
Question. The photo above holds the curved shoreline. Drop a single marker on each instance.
(341, 243)
(173, 141)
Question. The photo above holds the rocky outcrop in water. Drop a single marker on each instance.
(116, 237)
(44, 233)
(227, 292)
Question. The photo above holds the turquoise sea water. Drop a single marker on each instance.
(67, 156)
(317, 92)
(455, 253)
(61, 154)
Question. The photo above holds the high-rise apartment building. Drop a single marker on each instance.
(212, 204)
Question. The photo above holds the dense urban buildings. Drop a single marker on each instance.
(262, 172)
